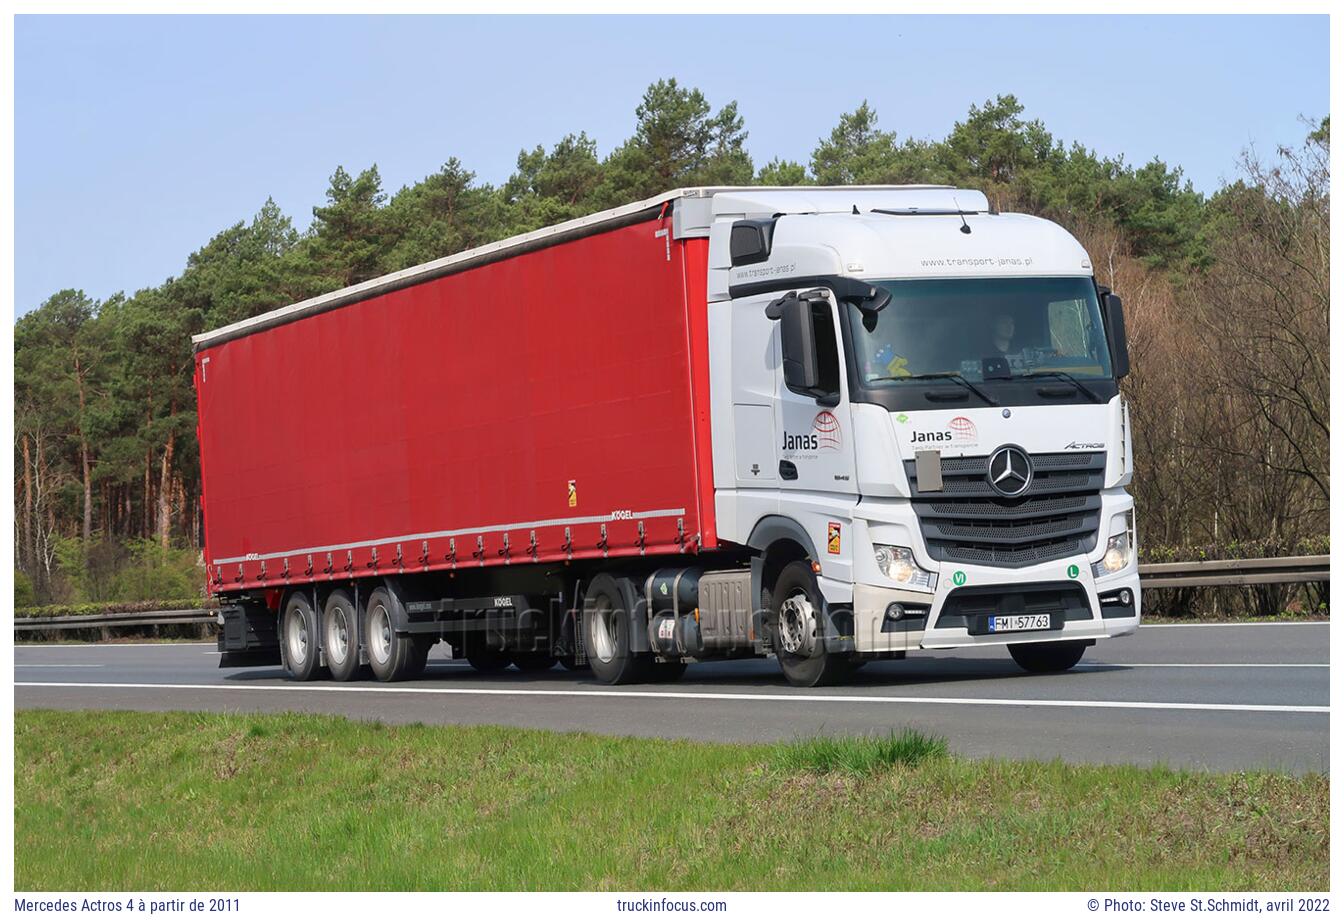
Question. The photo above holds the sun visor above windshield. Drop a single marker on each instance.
(768, 202)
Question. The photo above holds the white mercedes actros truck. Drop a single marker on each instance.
(825, 424)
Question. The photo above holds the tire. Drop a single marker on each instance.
(1047, 657)
(532, 662)
(485, 659)
(340, 635)
(420, 654)
(795, 626)
(606, 631)
(298, 638)
(391, 656)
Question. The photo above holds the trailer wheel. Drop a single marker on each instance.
(796, 630)
(391, 656)
(298, 637)
(1047, 657)
(532, 661)
(606, 631)
(340, 635)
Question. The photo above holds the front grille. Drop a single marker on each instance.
(1057, 516)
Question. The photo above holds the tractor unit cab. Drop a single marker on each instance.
(926, 393)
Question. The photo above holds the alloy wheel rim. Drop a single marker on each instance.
(297, 634)
(381, 633)
(604, 632)
(340, 634)
(797, 625)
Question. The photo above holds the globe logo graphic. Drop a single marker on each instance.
(827, 427)
(962, 428)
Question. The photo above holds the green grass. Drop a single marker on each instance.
(857, 755)
(193, 801)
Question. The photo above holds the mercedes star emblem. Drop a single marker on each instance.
(1009, 471)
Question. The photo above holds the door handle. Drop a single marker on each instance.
(787, 470)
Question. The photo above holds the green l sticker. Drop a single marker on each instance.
(958, 578)
(1073, 571)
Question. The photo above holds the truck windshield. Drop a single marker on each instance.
(982, 329)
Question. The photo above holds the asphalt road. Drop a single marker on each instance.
(1225, 697)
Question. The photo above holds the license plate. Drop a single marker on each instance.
(1019, 622)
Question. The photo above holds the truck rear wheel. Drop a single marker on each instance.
(797, 631)
(1047, 657)
(606, 631)
(340, 636)
(298, 637)
(392, 656)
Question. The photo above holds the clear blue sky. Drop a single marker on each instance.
(138, 138)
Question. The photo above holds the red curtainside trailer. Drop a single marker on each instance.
(549, 405)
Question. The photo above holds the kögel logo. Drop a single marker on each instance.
(960, 430)
(825, 435)
(1009, 471)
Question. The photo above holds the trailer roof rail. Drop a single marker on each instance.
(527, 242)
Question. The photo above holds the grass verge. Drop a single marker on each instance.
(198, 801)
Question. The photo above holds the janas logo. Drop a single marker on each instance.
(960, 430)
(825, 435)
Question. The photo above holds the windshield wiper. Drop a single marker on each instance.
(1070, 378)
(954, 377)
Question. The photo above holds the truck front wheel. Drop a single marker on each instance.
(606, 631)
(798, 633)
(391, 655)
(298, 637)
(1047, 657)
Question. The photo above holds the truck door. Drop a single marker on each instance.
(815, 449)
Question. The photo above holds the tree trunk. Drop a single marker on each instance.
(166, 488)
(88, 492)
(149, 495)
(86, 465)
(28, 551)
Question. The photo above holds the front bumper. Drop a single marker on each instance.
(874, 632)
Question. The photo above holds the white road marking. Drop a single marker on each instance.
(1217, 625)
(1197, 664)
(59, 666)
(675, 695)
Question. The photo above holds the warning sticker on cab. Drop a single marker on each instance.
(573, 494)
(833, 538)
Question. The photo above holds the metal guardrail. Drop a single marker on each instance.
(1228, 573)
(1207, 573)
(105, 620)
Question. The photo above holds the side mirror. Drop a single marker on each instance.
(1113, 312)
(799, 344)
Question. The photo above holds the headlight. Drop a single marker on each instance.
(1119, 552)
(898, 564)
